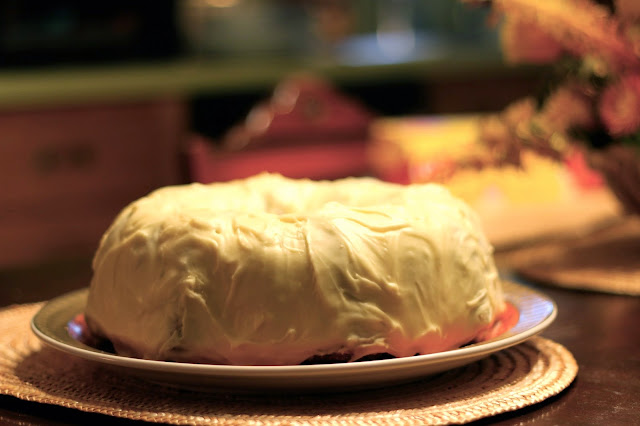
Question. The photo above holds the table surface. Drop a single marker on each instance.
(601, 330)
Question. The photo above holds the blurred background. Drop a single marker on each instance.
(100, 103)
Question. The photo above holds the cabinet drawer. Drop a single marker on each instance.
(64, 173)
(45, 154)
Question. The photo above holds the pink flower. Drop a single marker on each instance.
(524, 42)
(581, 27)
(619, 106)
(632, 33)
(628, 10)
(568, 107)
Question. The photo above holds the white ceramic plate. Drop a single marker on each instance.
(536, 310)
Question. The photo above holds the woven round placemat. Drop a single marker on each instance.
(508, 380)
(606, 260)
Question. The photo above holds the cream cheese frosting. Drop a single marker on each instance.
(272, 271)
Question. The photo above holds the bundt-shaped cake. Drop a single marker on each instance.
(273, 271)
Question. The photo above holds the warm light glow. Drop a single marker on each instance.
(221, 3)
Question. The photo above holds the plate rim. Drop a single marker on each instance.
(474, 351)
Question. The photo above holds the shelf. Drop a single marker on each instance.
(187, 77)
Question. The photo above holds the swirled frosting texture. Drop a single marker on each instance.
(270, 271)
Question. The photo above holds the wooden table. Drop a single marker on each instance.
(601, 330)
